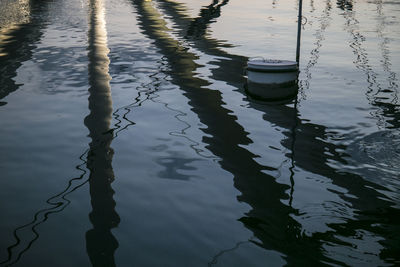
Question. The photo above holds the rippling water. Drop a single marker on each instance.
(127, 137)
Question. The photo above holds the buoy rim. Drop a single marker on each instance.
(271, 64)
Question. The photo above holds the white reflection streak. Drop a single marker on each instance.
(100, 102)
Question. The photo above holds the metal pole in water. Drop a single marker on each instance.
(299, 31)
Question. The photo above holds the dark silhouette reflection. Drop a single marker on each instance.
(100, 242)
(207, 15)
(230, 68)
(18, 42)
(269, 218)
(271, 221)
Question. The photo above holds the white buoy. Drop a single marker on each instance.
(275, 79)
(272, 79)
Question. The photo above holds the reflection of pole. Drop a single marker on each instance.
(100, 242)
(292, 147)
(299, 31)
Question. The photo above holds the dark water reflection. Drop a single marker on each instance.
(315, 191)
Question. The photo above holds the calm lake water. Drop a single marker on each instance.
(127, 137)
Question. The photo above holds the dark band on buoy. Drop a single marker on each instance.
(272, 66)
(272, 70)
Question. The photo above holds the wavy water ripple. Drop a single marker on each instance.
(177, 165)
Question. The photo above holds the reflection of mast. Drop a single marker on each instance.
(100, 243)
(208, 46)
(207, 15)
(269, 218)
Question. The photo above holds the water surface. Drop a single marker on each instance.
(128, 138)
